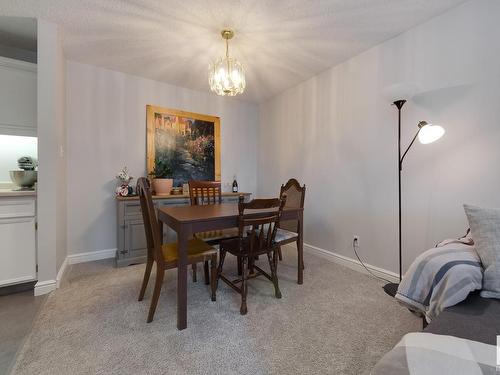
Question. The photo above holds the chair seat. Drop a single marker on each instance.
(283, 236)
(232, 246)
(217, 235)
(196, 249)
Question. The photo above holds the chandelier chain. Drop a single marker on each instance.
(227, 54)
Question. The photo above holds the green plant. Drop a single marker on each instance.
(161, 169)
(27, 163)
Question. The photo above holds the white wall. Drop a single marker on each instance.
(106, 118)
(337, 133)
(51, 195)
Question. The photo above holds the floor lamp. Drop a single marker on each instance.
(426, 133)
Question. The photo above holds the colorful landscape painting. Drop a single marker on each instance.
(189, 142)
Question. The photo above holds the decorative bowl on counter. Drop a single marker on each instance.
(24, 179)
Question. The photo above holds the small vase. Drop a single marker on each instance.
(162, 186)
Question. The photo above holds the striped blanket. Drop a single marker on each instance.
(428, 354)
(441, 277)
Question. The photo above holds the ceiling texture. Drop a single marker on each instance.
(279, 42)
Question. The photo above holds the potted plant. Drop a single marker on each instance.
(162, 177)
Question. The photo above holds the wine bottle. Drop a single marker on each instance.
(235, 185)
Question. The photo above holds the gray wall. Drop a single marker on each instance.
(337, 133)
(51, 200)
(18, 53)
(106, 118)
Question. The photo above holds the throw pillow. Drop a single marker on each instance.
(485, 228)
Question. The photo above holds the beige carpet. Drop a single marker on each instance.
(338, 322)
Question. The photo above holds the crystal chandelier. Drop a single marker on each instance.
(226, 75)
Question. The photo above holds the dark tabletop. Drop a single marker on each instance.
(211, 212)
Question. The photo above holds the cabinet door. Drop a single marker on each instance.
(135, 238)
(18, 255)
(18, 97)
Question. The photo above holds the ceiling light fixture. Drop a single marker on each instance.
(226, 76)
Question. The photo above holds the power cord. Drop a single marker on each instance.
(354, 246)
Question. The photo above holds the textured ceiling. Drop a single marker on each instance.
(280, 42)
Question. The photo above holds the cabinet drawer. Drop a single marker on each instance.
(173, 202)
(17, 207)
(134, 209)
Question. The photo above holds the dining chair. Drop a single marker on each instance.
(165, 255)
(288, 229)
(258, 240)
(207, 193)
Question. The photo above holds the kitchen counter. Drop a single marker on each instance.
(11, 193)
(175, 196)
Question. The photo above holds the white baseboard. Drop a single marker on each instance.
(351, 263)
(47, 286)
(44, 287)
(91, 256)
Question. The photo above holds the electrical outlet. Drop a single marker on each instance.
(355, 240)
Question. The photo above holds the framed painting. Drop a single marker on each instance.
(188, 142)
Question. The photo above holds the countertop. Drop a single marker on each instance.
(11, 193)
(175, 196)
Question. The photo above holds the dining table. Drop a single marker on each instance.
(188, 220)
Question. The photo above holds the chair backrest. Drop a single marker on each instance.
(295, 196)
(151, 224)
(205, 192)
(263, 228)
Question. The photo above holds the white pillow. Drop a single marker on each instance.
(485, 228)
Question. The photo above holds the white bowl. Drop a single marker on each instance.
(24, 179)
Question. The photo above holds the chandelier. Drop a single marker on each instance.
(226, 75)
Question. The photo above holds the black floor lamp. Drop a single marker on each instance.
(426, 133)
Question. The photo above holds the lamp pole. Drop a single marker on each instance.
(430, 136)
(392, 288)
(399, 104)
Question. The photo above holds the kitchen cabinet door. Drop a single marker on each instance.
(17, 250)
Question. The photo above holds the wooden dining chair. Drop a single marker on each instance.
(288, 229)
(207, 193)
(250, 243)
(165, 255)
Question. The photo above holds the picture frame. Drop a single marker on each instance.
(189, 141)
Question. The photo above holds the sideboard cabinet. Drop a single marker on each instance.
(131, 237)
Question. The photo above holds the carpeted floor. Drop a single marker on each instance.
(338, 322)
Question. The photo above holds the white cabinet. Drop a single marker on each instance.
(17, 240)
(18, 97)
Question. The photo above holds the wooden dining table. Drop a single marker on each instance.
(188, 220)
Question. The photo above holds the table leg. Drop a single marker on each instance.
(300, 250)
(182, 279)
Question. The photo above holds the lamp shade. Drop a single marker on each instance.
(429, 133)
